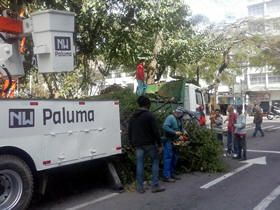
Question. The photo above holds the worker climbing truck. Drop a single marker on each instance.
(38, 135)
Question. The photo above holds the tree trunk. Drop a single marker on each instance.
(151, 72)
(152, 67)
(49, 85)
(197, 74)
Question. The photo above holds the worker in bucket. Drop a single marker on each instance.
(140, 77)
(173, 129)
(143, 133)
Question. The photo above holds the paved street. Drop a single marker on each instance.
(253, 185)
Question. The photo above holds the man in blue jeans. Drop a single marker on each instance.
(144, 136)
(258, 119)
(173, 129)
(230, 129)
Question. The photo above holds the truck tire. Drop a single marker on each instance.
(16, 183)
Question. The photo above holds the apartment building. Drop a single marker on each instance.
(262, 86)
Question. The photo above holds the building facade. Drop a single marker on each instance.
(262, 85)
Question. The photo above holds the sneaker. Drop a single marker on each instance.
(141, 190)
(176, 177)
(229, 154)
(244, 158)
(237, 157)
(234, 155)
(168, 180)
(157, 188)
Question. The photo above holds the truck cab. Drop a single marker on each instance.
(193, 97)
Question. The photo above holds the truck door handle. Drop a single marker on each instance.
(52, 134)
(93, 151)
(61, 157)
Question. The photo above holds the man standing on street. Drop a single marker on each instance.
(173, 129)
(144, 136)
(258, 119)
(240, 134)
(217, 124)
(231, 121)
(140, 77)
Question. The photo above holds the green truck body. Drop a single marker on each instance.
(183, 94)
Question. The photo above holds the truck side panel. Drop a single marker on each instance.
(60, 132)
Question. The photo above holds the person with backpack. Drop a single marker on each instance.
(144, 136)
(258, 119)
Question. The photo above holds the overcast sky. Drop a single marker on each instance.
(219, 10)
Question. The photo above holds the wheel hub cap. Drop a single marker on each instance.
(11, 188)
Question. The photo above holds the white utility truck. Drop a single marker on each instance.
(37, 135)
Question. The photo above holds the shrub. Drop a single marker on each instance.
(204, 153)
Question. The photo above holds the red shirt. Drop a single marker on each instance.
(140, 72)
(231, 121)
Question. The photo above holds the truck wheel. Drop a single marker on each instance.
(16, 183)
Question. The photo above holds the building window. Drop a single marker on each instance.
(256, 10)
(253, 1)
(273, 7)
(256, 27)
(110, 76)
(117, 75)
(273, 78)
(257, 79)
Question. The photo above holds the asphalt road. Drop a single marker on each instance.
(256, 187)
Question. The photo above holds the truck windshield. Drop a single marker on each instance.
(199, 99)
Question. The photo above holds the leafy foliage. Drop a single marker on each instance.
(204, 153)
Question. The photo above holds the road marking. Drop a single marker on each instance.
(260, 160)
(268, 127)
(262, 128)
(268, 200)
(275, 128)
(93, 202)
(263, 151)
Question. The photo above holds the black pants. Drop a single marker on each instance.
(242, 146)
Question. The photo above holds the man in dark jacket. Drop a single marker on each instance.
(144, 136)
(258, 118)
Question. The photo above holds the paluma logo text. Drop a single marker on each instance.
(62, 46)
(64, 116)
